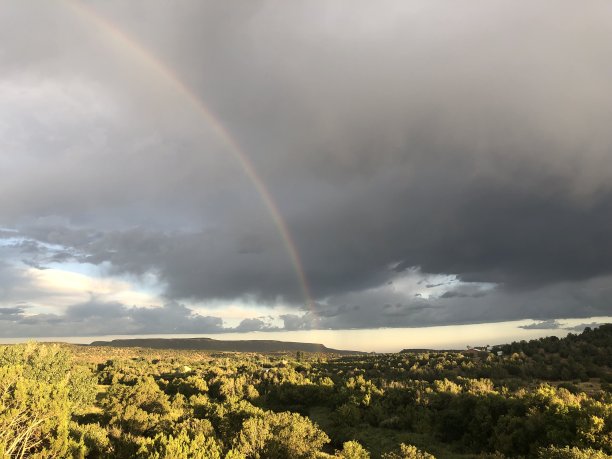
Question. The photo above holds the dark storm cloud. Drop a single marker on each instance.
(463, 139)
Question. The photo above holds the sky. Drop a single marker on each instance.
(208, 167)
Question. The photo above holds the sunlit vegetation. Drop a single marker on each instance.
(548, 398)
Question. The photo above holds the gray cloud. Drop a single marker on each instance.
(11, 313)
(100, 318)
(465, 291)
(580, 327)
(293, 322)
(255, 324)
(543, 325)
(13, 282)
(389, 307)
(462, 139)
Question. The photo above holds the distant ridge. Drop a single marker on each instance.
(422, 351)
(208, 344)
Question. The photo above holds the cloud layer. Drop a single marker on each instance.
(417, 142)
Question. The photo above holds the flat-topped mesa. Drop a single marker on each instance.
(209, 344)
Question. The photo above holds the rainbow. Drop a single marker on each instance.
(127, 44)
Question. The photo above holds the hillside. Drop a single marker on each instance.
(576, 357)
(208, 344)
(543, 399)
